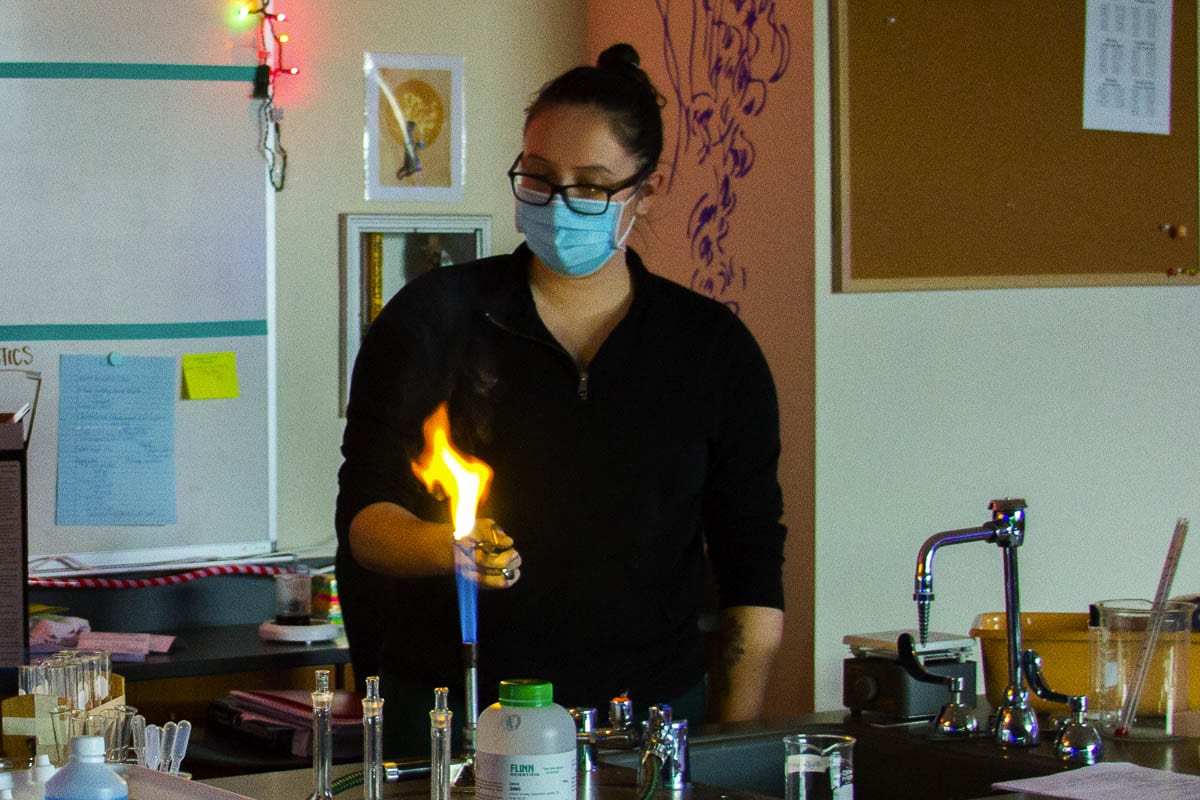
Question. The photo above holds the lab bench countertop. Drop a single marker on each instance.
(891, 762)
(606, 783)
(224, 649)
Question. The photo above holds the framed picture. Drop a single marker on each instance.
(382, 252)
(414, 118)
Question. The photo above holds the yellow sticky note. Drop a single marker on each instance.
(210, 376)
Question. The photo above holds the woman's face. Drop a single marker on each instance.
(570, 144)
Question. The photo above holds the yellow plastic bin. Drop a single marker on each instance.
(1062, 640)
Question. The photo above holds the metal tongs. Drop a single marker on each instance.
(492, 547)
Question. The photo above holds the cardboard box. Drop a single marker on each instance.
(25, 720)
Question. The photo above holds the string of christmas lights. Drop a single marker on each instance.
(270, 66)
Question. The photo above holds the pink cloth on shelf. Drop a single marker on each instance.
(55, 630)
(137, 644)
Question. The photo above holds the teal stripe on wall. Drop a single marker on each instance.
(160, 330)
(136, 72)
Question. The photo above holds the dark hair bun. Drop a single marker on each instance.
(619, 57)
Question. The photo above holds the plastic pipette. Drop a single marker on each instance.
(137, 738)
(167, 747)
(179, 750)
(153, 746)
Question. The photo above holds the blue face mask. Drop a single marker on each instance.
(572, 244)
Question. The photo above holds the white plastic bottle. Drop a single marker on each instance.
(525, 746)
(85, 776)
(30, 784)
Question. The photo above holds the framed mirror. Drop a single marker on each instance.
(382, 252)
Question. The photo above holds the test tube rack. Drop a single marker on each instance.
(25, 724)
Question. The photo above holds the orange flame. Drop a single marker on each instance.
(464, 480)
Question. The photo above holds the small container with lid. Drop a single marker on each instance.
(85, 776)
(525, 745)
(30, 784)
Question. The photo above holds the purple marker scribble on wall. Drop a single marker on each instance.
(728, 54)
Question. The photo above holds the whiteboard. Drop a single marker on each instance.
(137, 220)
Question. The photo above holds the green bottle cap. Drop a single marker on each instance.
(526, 693)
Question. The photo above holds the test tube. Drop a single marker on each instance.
(439, 745)
(372, 706)
(103, 674)
(86, 686)
(27, 679)
(322, 707)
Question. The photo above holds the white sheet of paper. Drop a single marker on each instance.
(1109, 781)
(1127, 66)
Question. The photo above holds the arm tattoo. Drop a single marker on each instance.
(731, 649)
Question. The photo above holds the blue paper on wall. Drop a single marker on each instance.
(116, 440)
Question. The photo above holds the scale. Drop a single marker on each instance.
(874, 680)
(312, 632)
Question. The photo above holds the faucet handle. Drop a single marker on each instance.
(1076, 739)
(906, 651)
(956, 717)
(585, 745)
(585, 719)
(620, 712)
(666, 742)
(659, 737)
(1032, 663)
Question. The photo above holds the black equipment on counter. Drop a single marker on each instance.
(874, 680)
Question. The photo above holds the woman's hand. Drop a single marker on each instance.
(496, 562)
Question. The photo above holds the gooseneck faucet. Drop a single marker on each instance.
(1016, 722)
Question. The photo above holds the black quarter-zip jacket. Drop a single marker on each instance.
(620, 484)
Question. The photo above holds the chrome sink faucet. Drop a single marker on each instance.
(621, 734)
(1016, 723)
(661, 739)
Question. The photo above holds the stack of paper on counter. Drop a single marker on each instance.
(280, 721)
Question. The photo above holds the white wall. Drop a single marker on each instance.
(929, 404)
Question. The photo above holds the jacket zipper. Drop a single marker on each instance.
(581, 388)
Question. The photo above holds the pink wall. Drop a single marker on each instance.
(737, 222)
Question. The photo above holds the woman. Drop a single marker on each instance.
(631, 424)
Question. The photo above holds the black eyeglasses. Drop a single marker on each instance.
(582, 198)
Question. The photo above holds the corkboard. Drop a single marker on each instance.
(960, 159)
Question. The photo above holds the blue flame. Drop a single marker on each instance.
(468, 592)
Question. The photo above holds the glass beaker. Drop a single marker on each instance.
(1140, 667)
(293, 597)
(818, 766)
(118, 721)
(61, 728)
